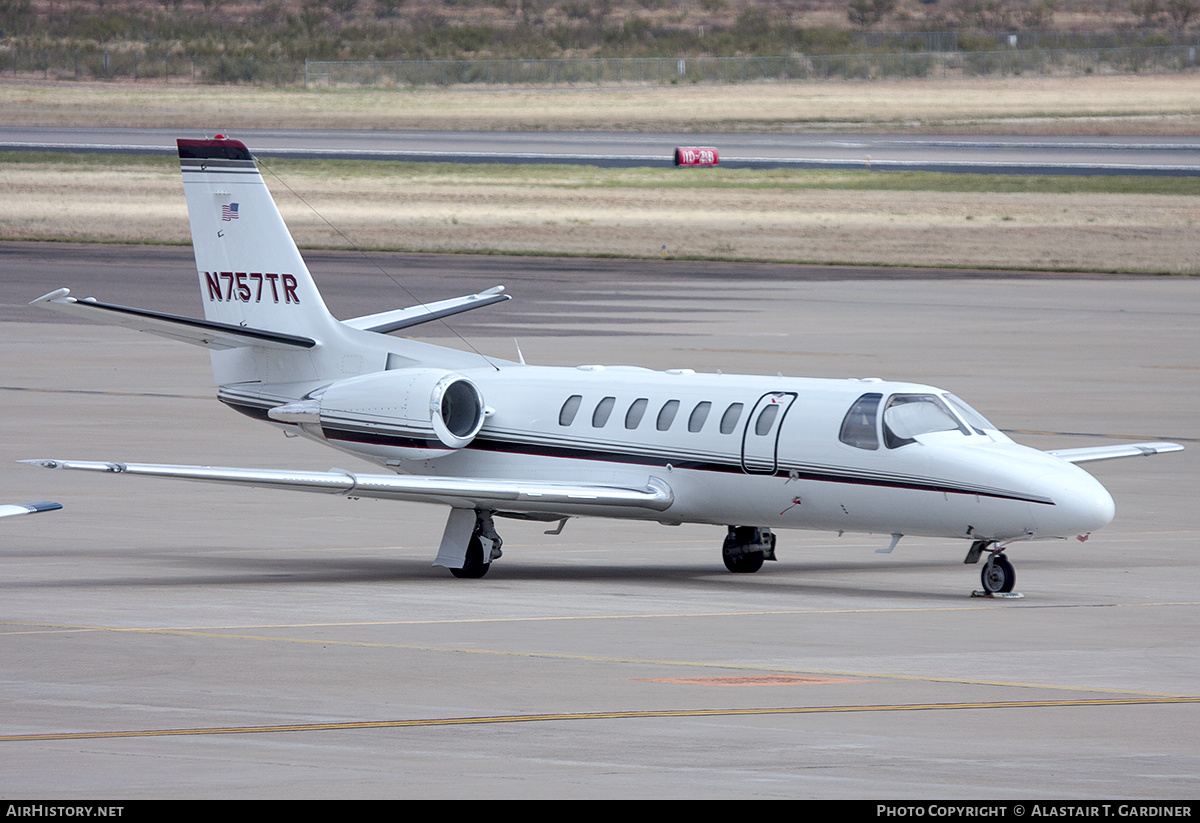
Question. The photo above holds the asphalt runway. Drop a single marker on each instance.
(181, 640)
(977, 154)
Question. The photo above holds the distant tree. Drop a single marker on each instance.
(388, 8)
(1181, 12)
(342, 8)
(983, 14)
(1146, 10)
(16, 16)
(1040, 15)
(866, 13)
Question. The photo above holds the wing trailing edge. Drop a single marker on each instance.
(535, 495)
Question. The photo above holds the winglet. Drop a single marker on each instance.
(56, 296)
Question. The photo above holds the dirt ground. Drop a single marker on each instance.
(524, 214)
(1126, 104)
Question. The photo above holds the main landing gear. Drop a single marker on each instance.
(482, 547)
(746, 547)
(997, 575)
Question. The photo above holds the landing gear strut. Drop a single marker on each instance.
(746, 547)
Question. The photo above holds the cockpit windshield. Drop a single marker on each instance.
(910, 415)
(974, 419)
(907, 416)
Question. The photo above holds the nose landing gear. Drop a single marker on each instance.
(997, 576)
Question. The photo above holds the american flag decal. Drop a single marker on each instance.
(229, 212)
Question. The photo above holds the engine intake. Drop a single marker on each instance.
(417, 413)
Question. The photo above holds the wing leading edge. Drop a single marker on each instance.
(538, 495)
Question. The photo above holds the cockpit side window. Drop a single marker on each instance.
(858, 427)
(909, 415)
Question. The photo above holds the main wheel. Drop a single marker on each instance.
(998, 576)
(473, 566)
(744, 563)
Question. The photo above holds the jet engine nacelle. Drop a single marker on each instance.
(420, 412)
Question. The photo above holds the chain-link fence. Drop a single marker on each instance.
(170, 68)
(52, 64)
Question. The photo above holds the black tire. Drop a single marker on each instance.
(998, 576)
(473, 566)
(744, 563)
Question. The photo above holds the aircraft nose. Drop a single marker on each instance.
(1081, 503)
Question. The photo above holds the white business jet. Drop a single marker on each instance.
(492, 438)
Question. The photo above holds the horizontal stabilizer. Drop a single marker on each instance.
(389, 321)
(518, 495)
(207, 333)
(14, 509)
(1091, 453)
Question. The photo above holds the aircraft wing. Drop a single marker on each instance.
(205, 333)
(1088, 454)
(458, 492)
(14, 509)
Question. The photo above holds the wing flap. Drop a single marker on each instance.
(1091, 453)
(459, 492)
(207, 333)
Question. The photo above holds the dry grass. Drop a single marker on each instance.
(520, 210)
(1160, 104)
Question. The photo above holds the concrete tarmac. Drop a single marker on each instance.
(175, 640)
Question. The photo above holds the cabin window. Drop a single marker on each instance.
(637, 409)
(766, 419)
(666, 415)
(566, 415)
(699, 415)
(729, 419)
(858, 426)
(910, 415)
(603, 410)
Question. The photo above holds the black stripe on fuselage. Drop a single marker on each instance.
(500, 446)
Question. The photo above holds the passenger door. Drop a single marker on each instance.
(760, 437)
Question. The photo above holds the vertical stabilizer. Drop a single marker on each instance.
(250, 271)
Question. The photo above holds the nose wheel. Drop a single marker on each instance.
(998, 576)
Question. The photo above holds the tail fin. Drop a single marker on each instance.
(250, 270)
